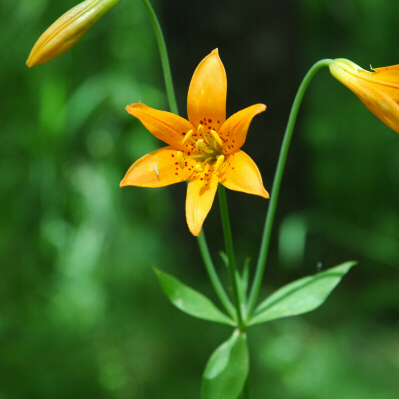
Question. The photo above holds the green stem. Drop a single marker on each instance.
(206, 257)
(277, 183)
(230, 253)
(164, 57)
(173, 107)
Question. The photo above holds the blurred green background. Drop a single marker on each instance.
(81, 312)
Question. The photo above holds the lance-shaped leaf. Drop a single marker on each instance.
(191, 301)
(227, 369)
(300, 296)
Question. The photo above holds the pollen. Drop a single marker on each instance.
(180, 159)
(187, 137)
(219, 162)
(217, 138)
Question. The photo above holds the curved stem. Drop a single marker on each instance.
(164, 57)
(228, 239)
(210, 268)
(277, 183)
(173, 107)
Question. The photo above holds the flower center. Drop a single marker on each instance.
(210, 150)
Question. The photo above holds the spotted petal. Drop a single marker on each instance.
(199, 201)
(242, 174)
(234, 130)
(206, 102)
(157, 169)
(165, 126)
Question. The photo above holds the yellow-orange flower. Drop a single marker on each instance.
(67, 30)
(205, 150)
(378, 90)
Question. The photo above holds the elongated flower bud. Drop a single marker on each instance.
(378, 90)
(68, 30)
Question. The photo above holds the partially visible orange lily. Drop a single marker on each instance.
(205, 150)
(378, 90)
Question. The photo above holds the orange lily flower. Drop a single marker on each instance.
(205, 150)
(378, 90)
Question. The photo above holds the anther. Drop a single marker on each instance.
(180, 159)
(217, 138)
(187, 137)
(219, 162)
(199, 168)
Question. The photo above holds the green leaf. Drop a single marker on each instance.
(224, 258)
(227, 369)
(300, 296)
(191, 301)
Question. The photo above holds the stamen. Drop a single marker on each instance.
(200, 129)
(180, 159)
(187, 137)
(199, 168)
(201, 132)
(219, 162)
(206, 139)
(195, 156)
(217, 138)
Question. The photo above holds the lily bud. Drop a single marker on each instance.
(378, 90)
(68, 30)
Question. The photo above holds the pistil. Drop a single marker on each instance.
(200, 144)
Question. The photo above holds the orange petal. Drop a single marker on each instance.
(240, 173)
(206, 102)
(199, 201)
(378, 90)
(165, 126)
(234, 130)
(387, 74)
(157, 169)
